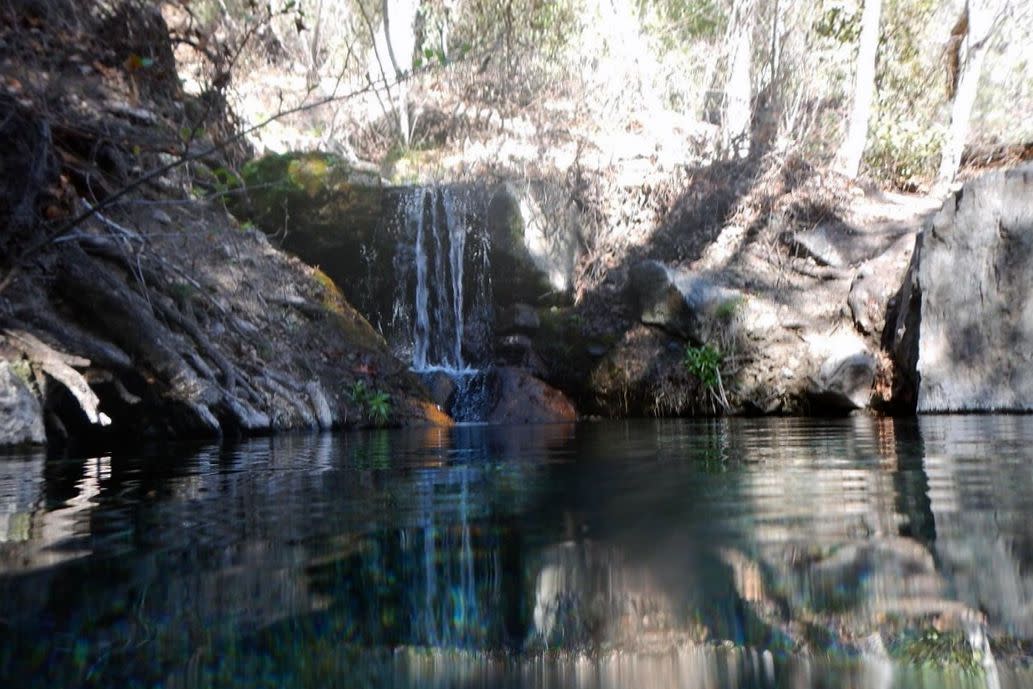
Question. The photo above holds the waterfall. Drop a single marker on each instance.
(440, 217)
(444, 314)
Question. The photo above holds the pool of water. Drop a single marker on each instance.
(734, 553)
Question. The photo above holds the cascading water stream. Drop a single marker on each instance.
(440, 218)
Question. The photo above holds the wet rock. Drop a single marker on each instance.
(514, 349)
(964, 334)
(680, 302)
(245, 417)
(441, 387)
(320, 405)
(363, 233)
(523, 399)
(21, 419)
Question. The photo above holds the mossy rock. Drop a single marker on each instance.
(318, 194)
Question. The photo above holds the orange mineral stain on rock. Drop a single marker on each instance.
(435, 417)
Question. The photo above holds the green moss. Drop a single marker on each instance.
(331, 296)
(23, 369)
(315, 191)
(309, 174)
(410, 165)
(727, 309)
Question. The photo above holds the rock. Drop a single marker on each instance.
(363, 233)
(140, 115)
(245, 417)
(432, 415)
(441, 387)
(514, 349)
(518, 318)
(838, 245)
(21, 418)
(845, 383)
(523, 399)
(320, 405)
(964, 334)
(680, 302)
(541, 247)
(875, 284)
(161, 216)
(845, 374)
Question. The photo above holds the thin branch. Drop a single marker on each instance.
(92, 210)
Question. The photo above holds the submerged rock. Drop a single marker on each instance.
(21, 419)
(964, 333)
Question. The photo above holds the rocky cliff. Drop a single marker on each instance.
(964, 332)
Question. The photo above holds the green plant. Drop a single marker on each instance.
(704, 364)
(378, 407)
(929, 647)
(728, 308)
(375, 404)
(357, 393)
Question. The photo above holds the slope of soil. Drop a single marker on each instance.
(133, 304)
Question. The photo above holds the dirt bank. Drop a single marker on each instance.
(131, 303)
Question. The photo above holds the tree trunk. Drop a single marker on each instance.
(738, 85)
(970, 38)
(848, 159)
(397, 40)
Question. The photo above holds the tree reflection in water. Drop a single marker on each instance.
(764, 553)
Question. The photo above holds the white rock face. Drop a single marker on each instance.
(975, 276)
(21, 419)
(846, 374)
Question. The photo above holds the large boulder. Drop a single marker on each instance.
(520, 398)
(21, 419)
(682, 303)
(845, 374)
(963, 335)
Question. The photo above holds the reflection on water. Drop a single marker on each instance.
(863, 552)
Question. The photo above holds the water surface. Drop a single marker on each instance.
(758, 553)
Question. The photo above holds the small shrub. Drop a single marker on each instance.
(375, 404)
(704, 363)
(378, 407)
(904, 153)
